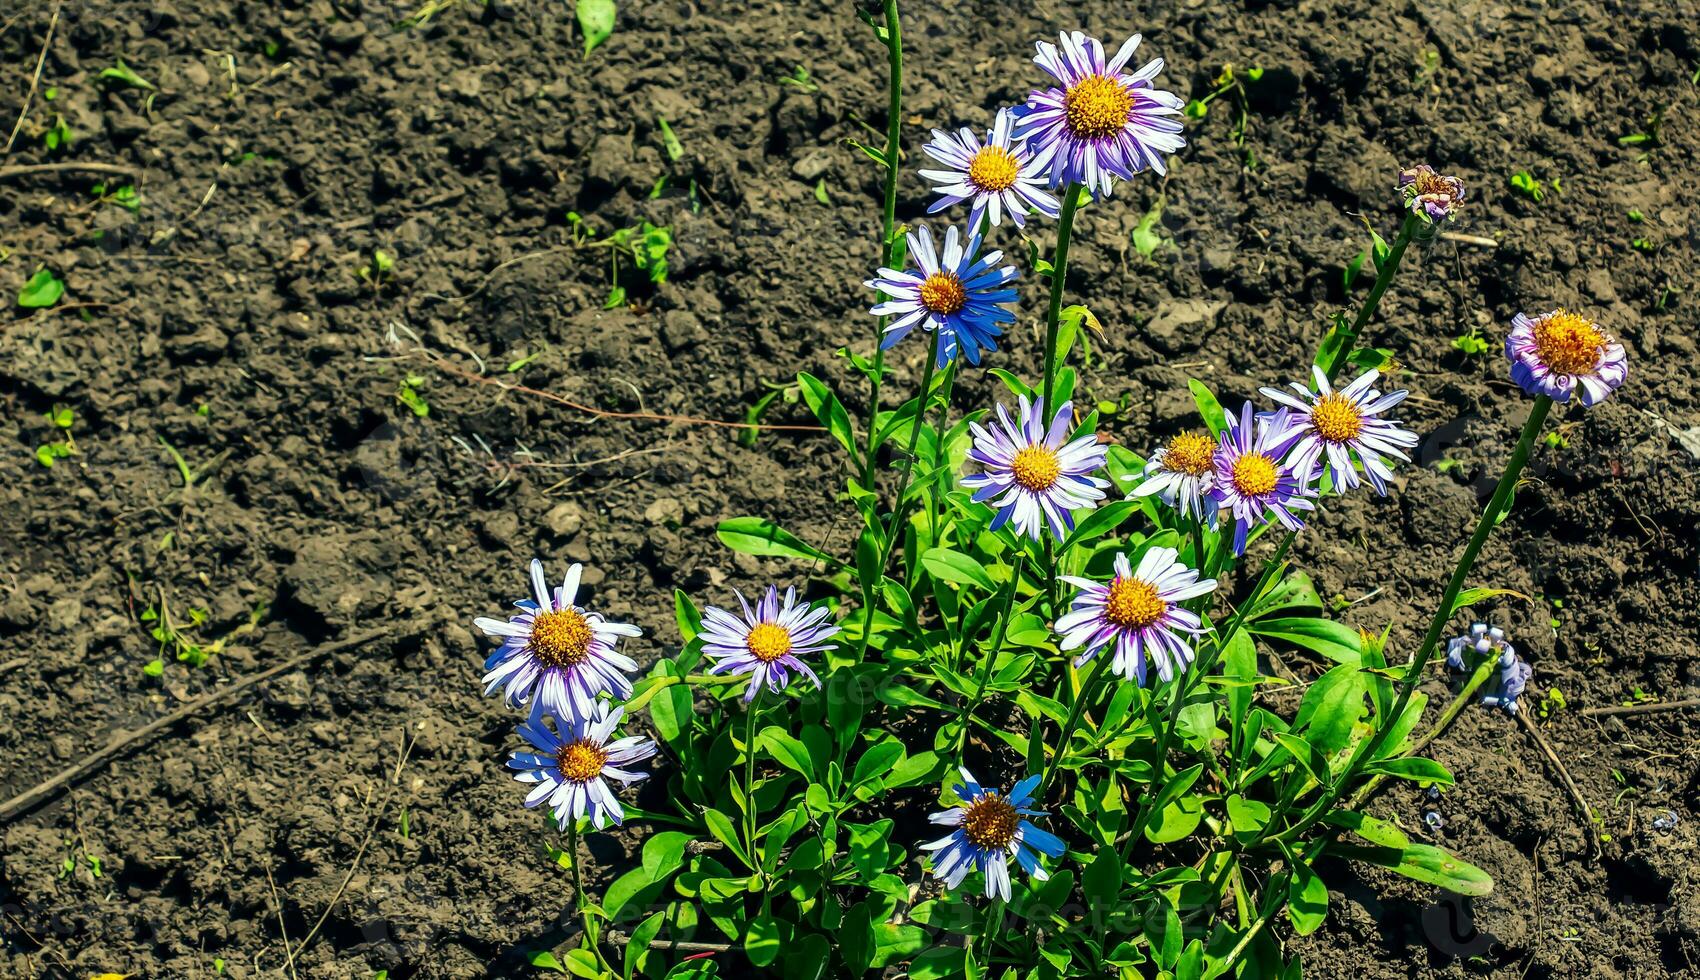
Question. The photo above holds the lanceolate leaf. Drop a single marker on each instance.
(596, 20)
(762, 537)
(1336, 641)
(1208, 407)
(831, 414)
(1427, 864)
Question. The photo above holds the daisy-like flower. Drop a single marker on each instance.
(990, 828)
(1345, 425)
(1033, 475)
(571, 768)
(1431, 196)
(999, 176)
(768, 641)
(1252, 480)
(1182, 473)
(558, 652)
(954, 294)
(1557, 353)
(1139, 611)
(1101, 122)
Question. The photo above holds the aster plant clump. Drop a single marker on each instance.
(1013, 726)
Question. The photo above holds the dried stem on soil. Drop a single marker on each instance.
(1582, 808)
(35, 80)
(1619, 709)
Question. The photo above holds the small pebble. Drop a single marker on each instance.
(1434, 820)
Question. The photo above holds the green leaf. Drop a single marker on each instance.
(1330, 708)
(1208, 407)
(545, 960)
(596, 21)
(1470, 597)
(1413, 767)
(877, 761)
(761, 940)
(664, 853)
(954, 566)
(721, 826)
(763, 538)
(1247, 815)
(1336, 641)
(126, 75)
(820, 192)
(1307, 899)
(940, 963)
(637, 951)
(1101, 883)
(830, 412)
(1176, 821)
(1372, 829)
(686, 616)
(583, 963)
(788, 751)
(669, 142)
(1425, 863)
(1306, 753)
(42, 290)
(1100, 522)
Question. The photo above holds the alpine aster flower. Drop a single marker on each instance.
(1344, 424)
(1556, 353)
(1139, 611)
(766, 642)
(1431, 196)
(990, 828)
(1251, 479)
(999, 176)
(954, 294)
(571, 768)
(1102, 122)
(1182, 474)
(1035, 475)
(558, 651)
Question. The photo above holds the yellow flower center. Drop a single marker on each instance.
(561, 638)
(1134, 604)
(1036, 468)
(993, 169)
(581, 761)
(942, 292)
(1191, 453)
(1431, 183)
(768, 642)
(1097, 107)
(1567, 343)
(1336, 418)
(990, 822)
(1254, 475)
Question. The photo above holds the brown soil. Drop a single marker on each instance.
(225, 317)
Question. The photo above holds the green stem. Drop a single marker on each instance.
(1383, 278)
(1059, 272)
(1088, 692)
(1442, 616)
(939, 430)
(579, 899)
(988, 934)
(987, 663)
(899, 508)
(893, 135)
(750, 781)
(1478, 677)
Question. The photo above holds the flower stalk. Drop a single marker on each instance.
(888, 244)
(1383, 278)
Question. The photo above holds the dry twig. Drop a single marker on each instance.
(1642, 709)
(1582, 808)
(35, 80)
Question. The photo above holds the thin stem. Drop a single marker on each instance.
(1442, 615)
(1059, 272)
(1478, 677)
(945, 387)
(899, 510)
(987, 663)
(579, 898)
(893, 135)
(1383, 278)
(1087, 693)
(750, 781)
(988, 934)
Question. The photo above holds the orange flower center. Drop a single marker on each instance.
(1097, 107)
(768, 642)
(1336, 418)
(561, 638)
(1134, 604)
(990, 822)
(942, 292)
(1036, 468)
(581, 761)
(1254, 475)
(1190, 452)
(993, 169)
(1567, 343)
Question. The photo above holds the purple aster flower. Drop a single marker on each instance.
(1431, 196)
(1182, 473)
(1102, 122)
(766, 642)
(999, 176)
(1251, 479)
(1139, 611)
(1511, 674)
(990, 828)
(954, 294)
(1035, 474)
(1556, 353)
(571, 768)
(1343, 425)
(560, 652)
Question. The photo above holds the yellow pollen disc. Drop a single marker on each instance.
(1336, 418)
(1191, 453)
(1133, 604)
(990, 822)
(1254, 475)
(768, 642)
(1036, 468)
(561, 638)
(942, 292)
(993, 169)
(1097, 107)
(1567, 343)
(581, 761)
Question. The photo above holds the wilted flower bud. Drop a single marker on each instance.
(1431, 196)
(1510, 676)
